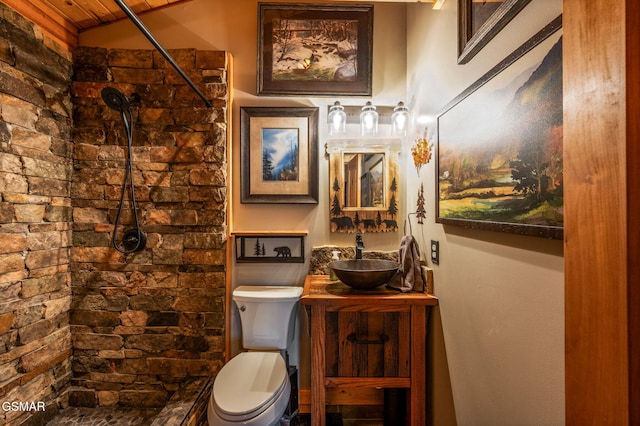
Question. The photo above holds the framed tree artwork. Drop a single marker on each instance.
(279, 155)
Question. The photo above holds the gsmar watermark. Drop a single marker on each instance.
(23, 406)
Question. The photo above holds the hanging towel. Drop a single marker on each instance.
(409, 276)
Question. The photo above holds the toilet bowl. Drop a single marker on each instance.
(253, 388)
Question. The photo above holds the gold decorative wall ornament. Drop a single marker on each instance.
(421, 151)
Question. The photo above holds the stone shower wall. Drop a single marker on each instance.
(143, 322)
(35, 218)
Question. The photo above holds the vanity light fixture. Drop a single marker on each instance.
(369, 120)
(395, 121)
(400, 119)
(337, 119)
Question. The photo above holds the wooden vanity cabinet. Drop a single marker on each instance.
(374, 338)
(360, 343)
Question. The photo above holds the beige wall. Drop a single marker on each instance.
(501, 295)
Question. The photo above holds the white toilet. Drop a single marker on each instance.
(253, 387)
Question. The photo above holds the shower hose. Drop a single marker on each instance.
(133, 239)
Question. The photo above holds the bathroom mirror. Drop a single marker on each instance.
(363, 184)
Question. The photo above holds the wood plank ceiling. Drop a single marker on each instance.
(64, 19)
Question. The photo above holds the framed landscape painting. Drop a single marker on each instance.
(279, 150)
(500, 145)
(310, 49)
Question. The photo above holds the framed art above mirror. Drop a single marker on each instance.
(363, 184)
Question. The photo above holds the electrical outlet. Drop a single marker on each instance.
(435, 251)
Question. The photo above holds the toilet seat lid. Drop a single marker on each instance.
(247, 384)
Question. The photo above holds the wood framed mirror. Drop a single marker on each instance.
(363, 184)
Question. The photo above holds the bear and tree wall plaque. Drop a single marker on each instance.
(269, 248)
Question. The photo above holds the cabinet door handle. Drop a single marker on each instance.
(354, 339)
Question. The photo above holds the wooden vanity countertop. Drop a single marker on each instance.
(320, 289)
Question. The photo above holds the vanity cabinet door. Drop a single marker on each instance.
(368, 344)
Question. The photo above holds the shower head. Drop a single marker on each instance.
(115, 99)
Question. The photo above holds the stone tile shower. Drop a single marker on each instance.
(82, 324)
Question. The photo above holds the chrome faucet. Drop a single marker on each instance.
(359, 246)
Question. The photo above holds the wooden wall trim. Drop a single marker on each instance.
(51, 23)
(632, 25)
(230, 243)
(600, 153)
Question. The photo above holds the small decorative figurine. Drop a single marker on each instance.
(421, 213)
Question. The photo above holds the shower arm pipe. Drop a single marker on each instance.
(134, 18)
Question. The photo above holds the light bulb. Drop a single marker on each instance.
(369, 120)
(400, 119)
(337, 119)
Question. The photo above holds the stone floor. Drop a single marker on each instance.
(118, 416)
(111, 416)
(104, 416)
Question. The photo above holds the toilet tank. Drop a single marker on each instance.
(266, 314)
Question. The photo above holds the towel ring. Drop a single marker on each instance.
(408, 219)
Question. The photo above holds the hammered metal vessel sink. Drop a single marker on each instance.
(364, 274)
